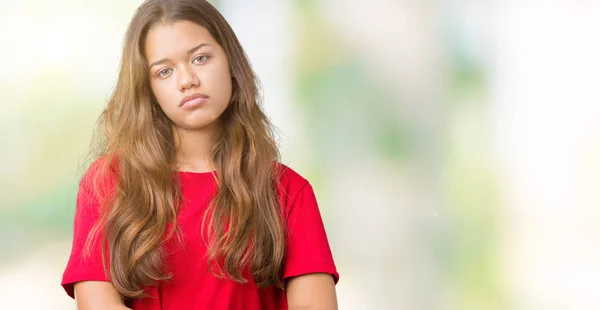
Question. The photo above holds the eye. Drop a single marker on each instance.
(200, 59)
(164, 72)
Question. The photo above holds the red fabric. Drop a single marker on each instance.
(193, 286)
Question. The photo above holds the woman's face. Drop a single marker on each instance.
(189, 74)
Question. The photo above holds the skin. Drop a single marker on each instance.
(185, 59)
(315, 291)
(177, 73)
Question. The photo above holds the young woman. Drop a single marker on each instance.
(187, 206)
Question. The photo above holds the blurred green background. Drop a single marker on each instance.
(453, 145)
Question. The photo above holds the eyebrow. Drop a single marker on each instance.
(192, 50)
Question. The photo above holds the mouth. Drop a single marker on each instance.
(193, 100)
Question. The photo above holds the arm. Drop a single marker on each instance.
(98, 295)
(315, 291)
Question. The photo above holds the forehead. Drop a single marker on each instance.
(174, 39)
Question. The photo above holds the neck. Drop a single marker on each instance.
(193, 149)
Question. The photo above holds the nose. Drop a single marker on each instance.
(187, 79)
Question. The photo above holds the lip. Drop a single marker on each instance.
(192, 100)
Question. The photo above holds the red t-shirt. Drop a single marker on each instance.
(193, 286)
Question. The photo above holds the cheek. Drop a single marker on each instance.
(217, 79)
(221, 84)
(162, 95)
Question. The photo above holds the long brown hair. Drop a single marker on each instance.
(245, 220)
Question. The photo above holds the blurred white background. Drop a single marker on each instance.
(454, 146)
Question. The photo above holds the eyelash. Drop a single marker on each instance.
(159, 73)
(207, 57)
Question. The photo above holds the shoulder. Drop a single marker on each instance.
(100, 176)
(289, 183)
(288, 177)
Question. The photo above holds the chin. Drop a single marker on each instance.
(192, 126)
(196, 125)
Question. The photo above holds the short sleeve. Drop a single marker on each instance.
(80, 268)
(307, 249)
